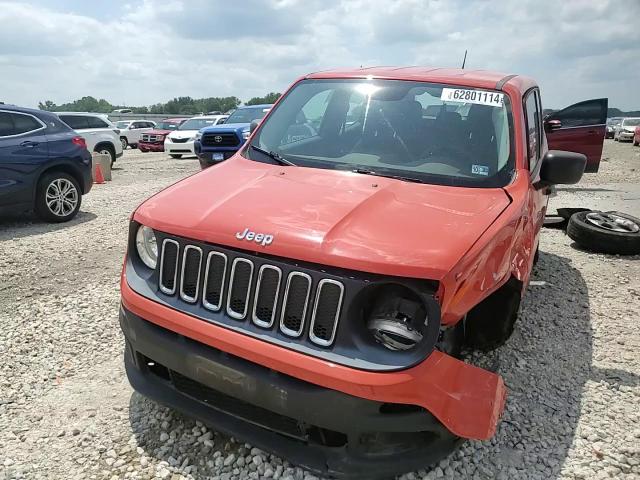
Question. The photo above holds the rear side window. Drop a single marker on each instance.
(17, 124)
(583, 114)
(77, 122)
(96, 122)
(25, 123)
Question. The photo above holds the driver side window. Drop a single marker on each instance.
(308, 119)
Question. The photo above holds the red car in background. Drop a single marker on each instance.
(153, 140)
(636, 137)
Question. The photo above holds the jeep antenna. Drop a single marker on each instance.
(464, 60)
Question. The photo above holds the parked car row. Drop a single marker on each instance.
(624, 129)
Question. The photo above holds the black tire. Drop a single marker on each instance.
(635, 143)
(602, 239)
(490, 323)
(175, 155)
(134, 145)
(46, 210)
(106, 149)
(125, 143)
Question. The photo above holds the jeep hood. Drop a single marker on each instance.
(329, 217)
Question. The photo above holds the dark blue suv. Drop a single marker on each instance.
(219, 142)
(44, 164)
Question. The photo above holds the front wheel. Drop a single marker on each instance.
(175, 155)
(124, 142)
(58, 197)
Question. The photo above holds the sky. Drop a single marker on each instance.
(143, 52)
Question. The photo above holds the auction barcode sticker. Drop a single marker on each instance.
(479, 97)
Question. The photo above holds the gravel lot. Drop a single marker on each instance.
(67, 412)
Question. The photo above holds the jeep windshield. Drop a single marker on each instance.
(247, 115)
(417, 131)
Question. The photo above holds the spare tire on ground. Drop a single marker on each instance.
(606, 232)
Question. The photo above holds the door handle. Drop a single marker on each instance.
(29, 143)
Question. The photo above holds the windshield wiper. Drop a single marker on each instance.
(274, 156)
(386, 175)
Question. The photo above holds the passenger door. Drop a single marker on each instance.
(23, 149)
(579, 128)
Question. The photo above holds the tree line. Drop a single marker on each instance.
(175, 106)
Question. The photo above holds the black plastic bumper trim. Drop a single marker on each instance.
(286, 396)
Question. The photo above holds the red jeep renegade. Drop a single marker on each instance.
(311, 295)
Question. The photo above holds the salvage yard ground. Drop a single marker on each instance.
(572, 367)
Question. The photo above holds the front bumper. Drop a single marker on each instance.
(625, 135)
(151, 147)
(324, 430)
(206, 157)
(466, 399)
(185, 148)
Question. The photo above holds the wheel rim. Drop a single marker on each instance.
(124, 144)
(613, 222)
(105, 152)
(61, 197)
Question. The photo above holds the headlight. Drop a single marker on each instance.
(398, 319)
(198, 136)
(147, 246)
(246, 134)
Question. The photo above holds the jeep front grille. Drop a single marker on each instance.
(250, 289)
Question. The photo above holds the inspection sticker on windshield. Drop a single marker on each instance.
(480, 170)
(479, 97)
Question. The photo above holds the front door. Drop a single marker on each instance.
(579, 128)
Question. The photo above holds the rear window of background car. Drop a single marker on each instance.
(76, 122)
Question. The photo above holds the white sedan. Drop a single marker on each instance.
(180, 142)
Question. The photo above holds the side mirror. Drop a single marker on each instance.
(254, 124)
(551, 125)
(560, 167)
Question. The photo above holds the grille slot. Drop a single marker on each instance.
(326, 311)
(214, 277)
(295, 303)
(169, 266)
(179, 140)
(220, 140)
(190, 275)
(239, 288)
(266, 297)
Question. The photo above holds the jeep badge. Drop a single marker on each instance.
(261, 238)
